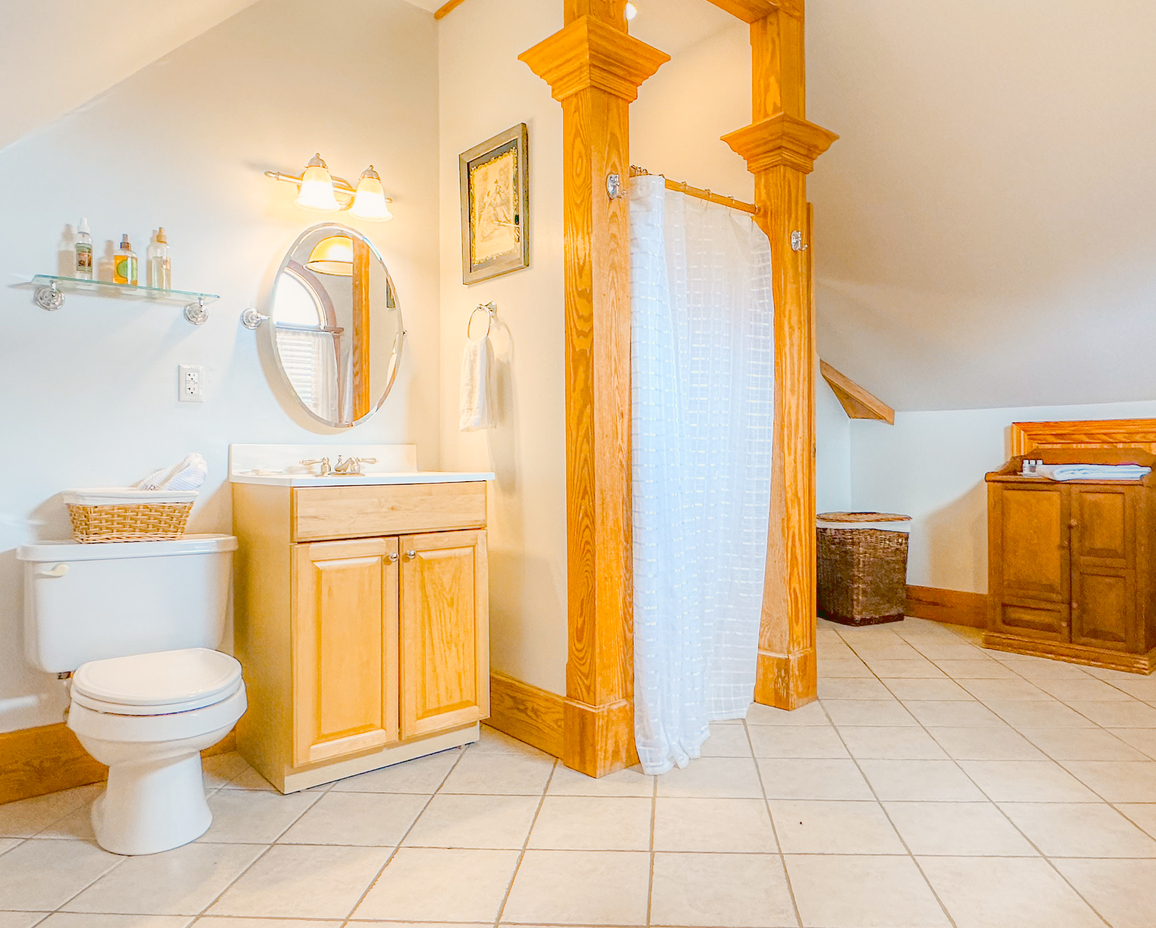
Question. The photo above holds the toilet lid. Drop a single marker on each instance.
(169, 679)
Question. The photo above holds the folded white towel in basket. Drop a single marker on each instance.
(189, 474)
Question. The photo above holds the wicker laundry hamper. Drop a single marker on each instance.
(862, 568)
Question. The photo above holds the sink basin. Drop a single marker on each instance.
(280, 465)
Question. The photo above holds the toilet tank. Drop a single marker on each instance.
(85, 602)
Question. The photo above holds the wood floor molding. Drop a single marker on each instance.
(528, 713)
(36, 761)
(954, 607)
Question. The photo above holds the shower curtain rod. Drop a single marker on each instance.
(699, 192)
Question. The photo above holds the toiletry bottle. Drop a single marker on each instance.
(66, 253)
(158, 268)
(124, 268)
(83, 264)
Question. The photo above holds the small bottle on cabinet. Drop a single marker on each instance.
(124, 264)
(158, 267)
(83, 264)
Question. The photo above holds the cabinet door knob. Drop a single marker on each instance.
(411, 554)
(393, 557)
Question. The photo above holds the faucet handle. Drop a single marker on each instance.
(324, 462)
(368, 460)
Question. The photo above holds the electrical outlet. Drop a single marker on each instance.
(190, 383)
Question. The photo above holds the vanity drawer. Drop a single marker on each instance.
(363, 512)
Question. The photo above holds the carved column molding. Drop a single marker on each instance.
(780, 148)
(594, 68)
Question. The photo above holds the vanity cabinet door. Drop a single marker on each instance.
(344, 648)
(445, 660)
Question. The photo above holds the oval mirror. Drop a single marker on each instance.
(336, 324)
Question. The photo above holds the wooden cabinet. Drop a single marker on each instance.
(1070, 564)
(359, 651)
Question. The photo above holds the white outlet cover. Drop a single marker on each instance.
(190, 383)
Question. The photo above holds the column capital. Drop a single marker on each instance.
(780, 141)
(589, 53)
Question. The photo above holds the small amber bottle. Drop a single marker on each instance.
(124, 269)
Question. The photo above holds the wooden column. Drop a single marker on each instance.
(594, 69)
(780, 148)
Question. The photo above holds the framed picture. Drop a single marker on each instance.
(496, 206)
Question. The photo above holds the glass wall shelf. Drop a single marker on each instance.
(50, 292)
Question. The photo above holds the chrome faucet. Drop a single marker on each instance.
(352, 465)
(326, 470)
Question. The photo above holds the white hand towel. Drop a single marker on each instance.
(189, 474)
(477, 401)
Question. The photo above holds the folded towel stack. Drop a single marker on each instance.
(1093, 471)
(186, 475)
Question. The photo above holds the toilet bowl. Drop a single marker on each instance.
(148, 717)
(135, 624)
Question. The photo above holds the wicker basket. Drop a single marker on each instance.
(862, 569)
(103, 516)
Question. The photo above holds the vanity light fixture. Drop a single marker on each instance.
(631, 10)
(318, 189)
(332, 256)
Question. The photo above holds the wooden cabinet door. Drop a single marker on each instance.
(1029, 565)
(344, 648)
(445, 653)
(1105, 611)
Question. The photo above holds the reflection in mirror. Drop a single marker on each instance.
(336, 324)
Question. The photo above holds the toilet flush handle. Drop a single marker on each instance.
(58, 571)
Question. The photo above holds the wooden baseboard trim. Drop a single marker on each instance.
(36, 761)
(786, 681)
(528, 713)
(954, 607)
(599, 739)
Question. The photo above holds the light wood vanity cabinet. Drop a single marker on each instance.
(359, 651)
(1070, 565)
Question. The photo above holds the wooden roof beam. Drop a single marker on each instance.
(751, 11)
(857, 402)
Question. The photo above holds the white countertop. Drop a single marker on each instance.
(347, 480)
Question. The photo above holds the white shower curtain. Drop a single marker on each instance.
(703, 392)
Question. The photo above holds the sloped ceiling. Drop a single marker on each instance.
(986, 225)
(58, 54)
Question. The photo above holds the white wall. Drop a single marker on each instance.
(89, 393)
(931, 465)
(485, 90)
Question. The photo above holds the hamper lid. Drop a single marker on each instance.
(862, 517)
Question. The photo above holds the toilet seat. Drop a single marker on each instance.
(159, 683)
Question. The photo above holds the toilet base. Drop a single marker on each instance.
(153, 806)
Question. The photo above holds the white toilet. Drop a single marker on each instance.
(136, 623)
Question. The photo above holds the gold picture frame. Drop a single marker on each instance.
(495, 200)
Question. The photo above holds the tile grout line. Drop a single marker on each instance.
(525, 844)
(774, 828)
(984, 793)
(397, 847)
(653, 817)
(878, 802)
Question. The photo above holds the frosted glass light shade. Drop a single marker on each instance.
(332, 256)
(631, 10)
(316, 190)
(369, 201)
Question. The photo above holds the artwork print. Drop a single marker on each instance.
(495, 195)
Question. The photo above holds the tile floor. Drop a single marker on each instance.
(933, 784)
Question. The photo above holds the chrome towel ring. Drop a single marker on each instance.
(490, 309)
